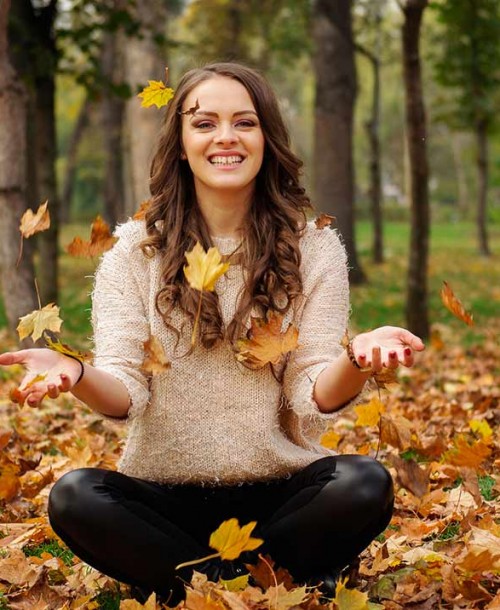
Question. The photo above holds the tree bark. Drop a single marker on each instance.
(144, 60)
(18, 287)
(482, 174)
(417, 299)
(335, 97)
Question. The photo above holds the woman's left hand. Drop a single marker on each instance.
(387, 346)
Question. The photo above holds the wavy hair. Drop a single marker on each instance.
(276, 219)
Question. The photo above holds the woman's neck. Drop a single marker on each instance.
(224, 214)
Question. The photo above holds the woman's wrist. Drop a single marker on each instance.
(82, 370)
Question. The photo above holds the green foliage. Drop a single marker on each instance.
(108, 600)
(3, 602)
(450, 531)
(52, 547)
(486, 487)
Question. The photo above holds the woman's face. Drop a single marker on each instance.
(222, 140)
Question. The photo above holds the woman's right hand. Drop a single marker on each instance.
(60, 374)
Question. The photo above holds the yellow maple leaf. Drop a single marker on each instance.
(32, 223)
(53, 343)
(230, 540)
(204, 268)
(464, 454)
(236, 584)
(369, 414)
(156, 94)
(330, 439)
(132, 604)
(481, 427)
(349, 599)
(39, 320)
(265, 342)
(280, 598)
(100, 241)
(155, 360)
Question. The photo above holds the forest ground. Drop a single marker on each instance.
(437, 431)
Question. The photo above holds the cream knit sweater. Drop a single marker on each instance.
(208, 419)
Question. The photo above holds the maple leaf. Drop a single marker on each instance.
(464, 454)
(132, 604)
(230, 540)
(396, 431)
(324, 220)
(53, 343)
(349, 599)
(143, 208)
(280, 598)
(265, 343)
(204, 268)
(39, 320)
(369, 414)
(196, 600)
(453, 304)
(330, 439)
(236, 584)
(100, 241)
(411, 476)
(9, 478)
(479, 561)
(32, 223)
(155, 360)
(156, 94)
(483, 428)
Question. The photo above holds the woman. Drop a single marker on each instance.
(212, 437)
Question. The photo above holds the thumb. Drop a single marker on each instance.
(412, 340)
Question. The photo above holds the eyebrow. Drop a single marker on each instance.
(215, 114)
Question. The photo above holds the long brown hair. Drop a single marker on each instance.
(271, 255)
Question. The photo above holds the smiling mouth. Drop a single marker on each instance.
(223, 160)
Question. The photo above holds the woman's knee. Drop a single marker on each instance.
(369, 481)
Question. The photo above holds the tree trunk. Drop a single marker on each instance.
(482, 175)
(416, 307)
(18, 287)
(143, 60)
(334, 112)
(72, 158)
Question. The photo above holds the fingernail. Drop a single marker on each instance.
(407, 351)
(63, 376)
(361, 356)
(392, 354)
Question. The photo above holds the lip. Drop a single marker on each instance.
(227, 153)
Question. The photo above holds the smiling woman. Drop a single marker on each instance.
(217, 432)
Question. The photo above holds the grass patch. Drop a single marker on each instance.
(53, 548)
(486, 485)
(450, 531)
(108, 600)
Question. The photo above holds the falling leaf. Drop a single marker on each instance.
(453, 304)
(143, 208)
(39, 320)
(324, 220)
(35, 379)
(349, 599)
(330, 439)
(369, 414)
(230, 540)
(155, 360)
(101, 241)
(132, 604)
(156, 94)
(464, 454)
(265, 342)
(204, 268)
(32, 223)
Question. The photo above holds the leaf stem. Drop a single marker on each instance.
(195, 561)
(38, 295)
(196, 321)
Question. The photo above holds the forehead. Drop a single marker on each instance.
(219, 94)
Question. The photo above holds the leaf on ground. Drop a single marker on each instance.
(265, 574)
(330, 439)
(100, 241)
(349, 599)
(155, 94)
(32, 223)
(230, 540)
(324, 220)
(204, 268)
(396, 431)
(483, 561)
(265, 342)
(482, 428)
(465, 454)
(196, 600)
(279, 598)
(369, 413)
(155, 360)
(411, 476)
(453, 304)
(132, 604)
(34, 323)
(9, 479)
(236, 584)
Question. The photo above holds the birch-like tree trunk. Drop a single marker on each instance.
(18, 288)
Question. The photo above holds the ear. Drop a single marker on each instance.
(183, 156)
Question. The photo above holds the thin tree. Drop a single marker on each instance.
(416, 129)
(335, 97)
(18, 288)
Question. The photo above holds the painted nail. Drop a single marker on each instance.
(407, 351)
(362, 357)
(392, 354)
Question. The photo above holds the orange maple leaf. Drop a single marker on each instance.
(453, 304)
(101, 240)
(155, 360)
(141, 211)
(265, 342)
(464, 454)
(324, 220)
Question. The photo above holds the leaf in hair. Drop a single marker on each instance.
(156, 94)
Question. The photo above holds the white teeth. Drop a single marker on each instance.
(220, 160)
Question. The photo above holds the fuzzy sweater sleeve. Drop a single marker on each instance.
(323, 321)
(119, 316)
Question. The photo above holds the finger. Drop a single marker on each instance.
(376, 360)
(52, 390)
(392, 361)
(408, 358)
(35, 398)
(66, 384)
(412, 340)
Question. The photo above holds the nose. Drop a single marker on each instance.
(225, 134)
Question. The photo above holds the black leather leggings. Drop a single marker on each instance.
(137, 531)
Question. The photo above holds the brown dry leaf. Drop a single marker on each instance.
(195, 600)
(230, 540)
(396, 431)
(5, 436)
(9, 478)
(265, 342)
(324, 220)
(385, 377)
(155, 360)
(479, 561)
(453, 304)
(32, 223)
(101, 241)
(266, 576)
(34, 323)
(132, 604)
(369, 414)
(464, 454)
(411, 476)
(33, 482)
(16, 569)
(141, 211)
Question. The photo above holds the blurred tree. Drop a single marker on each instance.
(468, 65)
(336, 90)
(416, 129)
(18, 286)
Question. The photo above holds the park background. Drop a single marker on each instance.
(393, 106)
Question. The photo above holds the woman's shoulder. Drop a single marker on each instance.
(131, 233)
(317, 245)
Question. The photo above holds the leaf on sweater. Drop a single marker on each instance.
(143, 208)
(453, 304)
(349, 599)
(100, 241)
(465, 454)
(230, 540)
(369, 414)
(34, 323)
(155, 94)
(204, 268)
(265, 342)
(155, 360)
(32, 223)
(324, 220)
